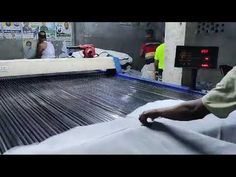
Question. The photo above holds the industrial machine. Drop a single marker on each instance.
(195, 58)
(45, 97)
(89, 51)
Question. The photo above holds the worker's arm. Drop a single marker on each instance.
(40, 48)
(189, 110)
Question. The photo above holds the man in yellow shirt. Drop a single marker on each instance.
(159, 60)
(220, 101)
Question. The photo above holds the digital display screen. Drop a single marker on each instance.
(196, 57)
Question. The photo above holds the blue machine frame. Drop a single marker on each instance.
(155, 83)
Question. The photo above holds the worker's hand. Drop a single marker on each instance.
(143, 118)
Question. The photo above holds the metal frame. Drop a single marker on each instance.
(26, 67)
(155, 83)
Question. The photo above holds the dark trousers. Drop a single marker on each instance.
(148, 61)
(159, 74)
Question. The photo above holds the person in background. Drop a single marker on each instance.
(27, 28)
(16, 24)
(29, 50)
(147, 52)
(159, 60)
(45, 49)
(44, 27)
(8, 24)
(66, 29)
(220, 101)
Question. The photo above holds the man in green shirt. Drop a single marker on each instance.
(220, 101)
(159, 60)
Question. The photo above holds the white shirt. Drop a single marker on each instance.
(49, 52)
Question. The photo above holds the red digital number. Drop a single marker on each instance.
(205, 65)
(204, 51)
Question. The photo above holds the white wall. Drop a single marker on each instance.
(174, 35)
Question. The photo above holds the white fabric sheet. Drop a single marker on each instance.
(210, 135)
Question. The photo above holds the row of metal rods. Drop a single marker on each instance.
(34, 109)
(84, 103)
(27, 101)
(23, 125)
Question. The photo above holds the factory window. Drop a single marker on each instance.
(210, 28)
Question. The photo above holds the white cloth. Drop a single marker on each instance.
(148, 71)
(124, 57)
(49, 52)
(126, 136)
